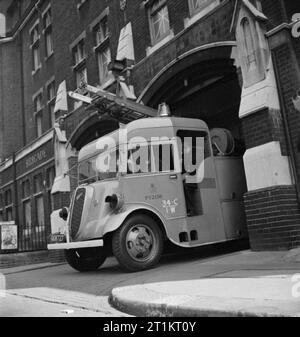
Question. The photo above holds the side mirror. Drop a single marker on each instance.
(64, 213)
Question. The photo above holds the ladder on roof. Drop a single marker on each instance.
(121, 109)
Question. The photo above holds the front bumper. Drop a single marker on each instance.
(76, 245)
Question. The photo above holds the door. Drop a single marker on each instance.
(153, 180)
(203, 210)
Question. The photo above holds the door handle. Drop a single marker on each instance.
(173, 176)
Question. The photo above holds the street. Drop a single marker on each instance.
(60, 291)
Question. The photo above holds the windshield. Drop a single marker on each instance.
(91, 170)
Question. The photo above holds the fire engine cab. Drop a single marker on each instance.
(133, 211)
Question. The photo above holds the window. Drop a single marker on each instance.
(103, 55)
(39, 201)
(26, 189)
(154, 158)
(81, 76)
(47, 25)
(159, 20)
(51, 96)
(89, 171)
(198, 5)
(195, 147)
(35, 47)
(79, 62)
(26, 201)
(79, 53)
(101, 31)
(249, 44)
(38, 112)
(8, 205)
(104, 59)
(49, 184)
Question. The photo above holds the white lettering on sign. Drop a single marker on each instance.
(35, 158)
(170, 206)
(296, 25)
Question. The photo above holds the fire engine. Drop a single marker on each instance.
(132, 212)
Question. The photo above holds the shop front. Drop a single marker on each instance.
(26, 202)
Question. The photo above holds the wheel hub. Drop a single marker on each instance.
(139, 242)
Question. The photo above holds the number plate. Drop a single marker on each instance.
(57, 238)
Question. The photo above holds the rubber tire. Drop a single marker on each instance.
(91, 258)
(119, 244)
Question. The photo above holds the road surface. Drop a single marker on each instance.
(60, 291)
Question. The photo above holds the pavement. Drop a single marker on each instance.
(214, 282)
(252, 284)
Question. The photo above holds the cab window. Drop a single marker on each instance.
(152, 158)
(190, 145)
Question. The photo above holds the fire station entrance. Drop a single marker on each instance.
(205, 85)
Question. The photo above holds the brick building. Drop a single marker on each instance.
(234, 64)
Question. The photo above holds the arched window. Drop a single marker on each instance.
(249, 43)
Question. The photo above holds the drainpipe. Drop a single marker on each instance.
(23, 118)
(287, 130)
(16, 201)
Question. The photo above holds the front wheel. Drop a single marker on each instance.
(85, 259)
(138, 243)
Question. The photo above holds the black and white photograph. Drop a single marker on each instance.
(149, 162)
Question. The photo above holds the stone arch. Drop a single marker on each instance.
(202, 83)
(91, 128)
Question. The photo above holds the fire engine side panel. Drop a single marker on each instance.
(161, 194)
(208, 224)
(232, 186)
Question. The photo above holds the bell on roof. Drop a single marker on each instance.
(164, 110)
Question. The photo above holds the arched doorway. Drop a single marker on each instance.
(201, 84)
(204, 84)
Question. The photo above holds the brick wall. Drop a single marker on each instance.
(263, 127)
(274, 11)
(289, 79)
(10, 104)
(215, 28)
(273, 218)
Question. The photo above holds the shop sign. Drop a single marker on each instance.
(36, 158)
(9, 236)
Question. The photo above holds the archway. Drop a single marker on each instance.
(91, 128)
(202, 84)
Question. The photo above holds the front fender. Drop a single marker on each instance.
(116, 220)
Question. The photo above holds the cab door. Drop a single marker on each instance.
(153, 180)
(203, 210)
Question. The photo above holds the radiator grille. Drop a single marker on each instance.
(77, 212)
